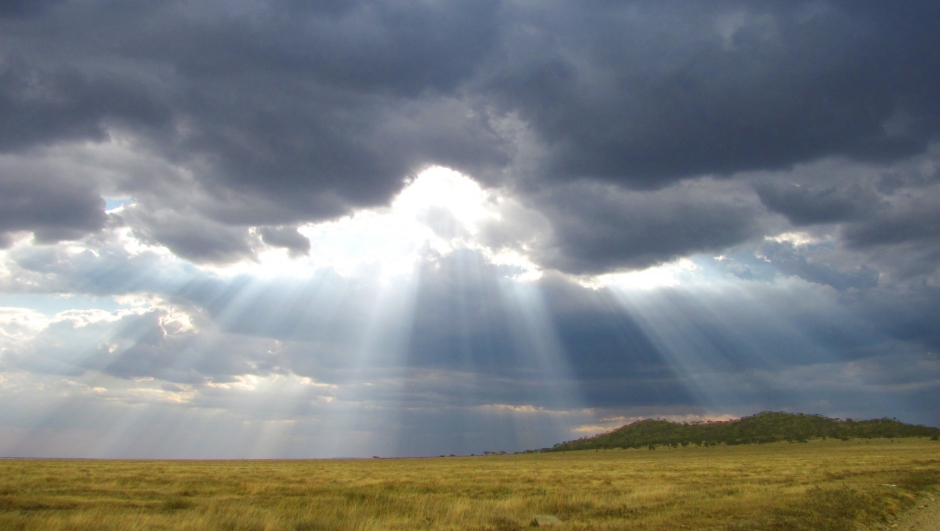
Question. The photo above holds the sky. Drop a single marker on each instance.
(291, 229)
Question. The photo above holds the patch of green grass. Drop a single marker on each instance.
(832, 509)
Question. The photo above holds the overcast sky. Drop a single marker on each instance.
(279, 228)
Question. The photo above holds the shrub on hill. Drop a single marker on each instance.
(765, 427)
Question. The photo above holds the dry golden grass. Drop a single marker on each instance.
(818, 485)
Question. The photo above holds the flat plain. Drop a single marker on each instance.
(838, 485)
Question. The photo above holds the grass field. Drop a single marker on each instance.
(818, 485)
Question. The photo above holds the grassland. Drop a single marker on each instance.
(817, 485)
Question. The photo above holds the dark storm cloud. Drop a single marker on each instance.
(806, 205)
(906, 316)
(917, 221)
(318, 110)
(286, 237)
(193, 237)
(599, 228)
(874, 206)
(322, 108)
(24, 8)
(53, 209)
(41, 107)
(641, 95)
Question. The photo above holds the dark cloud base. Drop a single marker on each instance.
(285, 113)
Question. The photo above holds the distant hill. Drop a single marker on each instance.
(763, 427)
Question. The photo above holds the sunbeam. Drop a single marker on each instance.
(419, 328)
(486, 226)
(714, 329)
(536, 342)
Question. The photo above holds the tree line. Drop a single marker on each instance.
(765, 427)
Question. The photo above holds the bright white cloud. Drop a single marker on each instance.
(20, 323)
(666, 275)
(438, 212)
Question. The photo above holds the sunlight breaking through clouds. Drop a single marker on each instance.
(333, 351)
(663, 276)
(487, 228)
(437, 212)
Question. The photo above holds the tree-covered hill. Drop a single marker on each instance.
(763, 427)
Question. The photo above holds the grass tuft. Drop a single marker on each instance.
(177, 504)
(836, 509)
